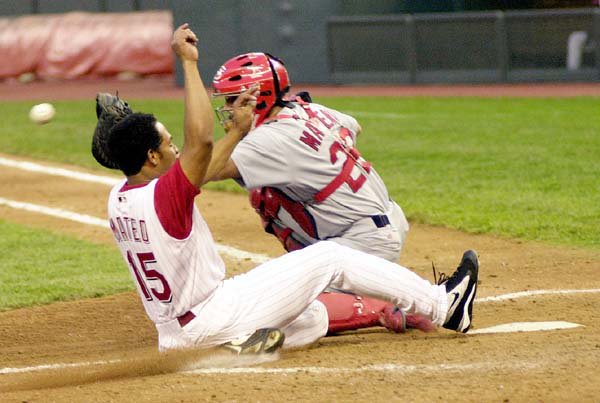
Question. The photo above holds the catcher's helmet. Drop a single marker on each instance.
(239, 73)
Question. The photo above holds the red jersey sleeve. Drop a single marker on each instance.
(174, 202)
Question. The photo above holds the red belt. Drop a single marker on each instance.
(186, 318)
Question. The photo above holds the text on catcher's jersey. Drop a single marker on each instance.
(303, 155)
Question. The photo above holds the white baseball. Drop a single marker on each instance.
(42, 113)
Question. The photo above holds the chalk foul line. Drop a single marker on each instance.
(5, 371)
(396, 368)
(90, 220)
(532, 293)
(48, 170)
(517, 327)
(254, 257)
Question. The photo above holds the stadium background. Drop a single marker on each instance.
(102, 347)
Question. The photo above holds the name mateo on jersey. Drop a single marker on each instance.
(129, 230)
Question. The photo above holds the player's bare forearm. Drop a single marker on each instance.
(198, 126)
(199, 119)
(198, 116)
(221, 167)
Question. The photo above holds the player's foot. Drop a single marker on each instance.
(460, 289)
(267, 340)
(393, 318)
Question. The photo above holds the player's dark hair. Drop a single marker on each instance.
(130, 140)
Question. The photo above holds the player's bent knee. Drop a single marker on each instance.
(307, 328)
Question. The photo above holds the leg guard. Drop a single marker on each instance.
(352, 312)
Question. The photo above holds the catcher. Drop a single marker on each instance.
(346, 311)
(307, 180)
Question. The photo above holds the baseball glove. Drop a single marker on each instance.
(110, 110)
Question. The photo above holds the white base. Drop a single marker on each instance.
(525, 327)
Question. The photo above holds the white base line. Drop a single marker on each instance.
(242, 254)
(48, 170)
(4, 371)
(54, 212)
(397, 368)
(245, 255)
(90, 220)
(523, 294)
(85, 219)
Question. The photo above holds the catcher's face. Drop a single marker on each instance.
(225, 112)
(167, 151)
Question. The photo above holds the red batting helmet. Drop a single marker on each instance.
(239, 73)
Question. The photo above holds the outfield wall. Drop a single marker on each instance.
(512, 46)
(321, 44)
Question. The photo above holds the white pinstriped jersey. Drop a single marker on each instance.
(171, 275)
(301, 156)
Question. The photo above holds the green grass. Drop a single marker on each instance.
(519, 168)
(525, 168)
(39, 267)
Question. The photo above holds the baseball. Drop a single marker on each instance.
(42, 113)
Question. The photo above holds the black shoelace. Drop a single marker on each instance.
(443, 277)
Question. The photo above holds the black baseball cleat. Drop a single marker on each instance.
(263, 341)
(460, 289)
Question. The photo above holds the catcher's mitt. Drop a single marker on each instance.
(110, 110)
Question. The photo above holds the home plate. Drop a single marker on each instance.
(525, 327)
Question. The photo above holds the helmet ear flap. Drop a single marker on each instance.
(280, 75)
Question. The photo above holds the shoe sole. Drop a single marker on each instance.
(263, 341)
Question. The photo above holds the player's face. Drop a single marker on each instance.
(167, 150)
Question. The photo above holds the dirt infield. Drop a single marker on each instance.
(111, 345)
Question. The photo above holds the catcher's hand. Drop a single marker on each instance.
(240, 114)
(110, 110)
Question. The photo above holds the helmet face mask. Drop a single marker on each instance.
(241, 72)
(225, 115)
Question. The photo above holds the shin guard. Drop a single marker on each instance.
(352, 312)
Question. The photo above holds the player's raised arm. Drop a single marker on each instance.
(198, 115)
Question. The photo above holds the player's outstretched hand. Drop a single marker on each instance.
(184, 43)
(243, 117)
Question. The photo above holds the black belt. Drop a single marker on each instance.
(380, 220)
(186, 318)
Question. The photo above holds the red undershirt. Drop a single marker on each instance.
(173, 201)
